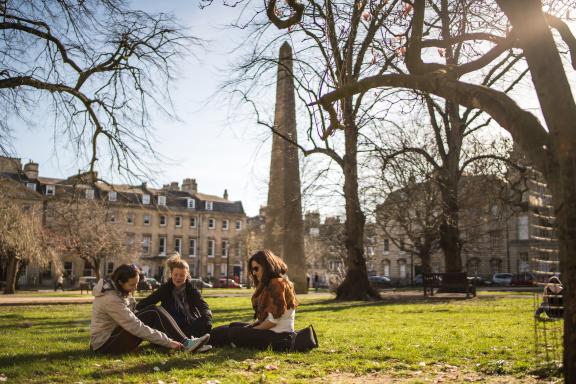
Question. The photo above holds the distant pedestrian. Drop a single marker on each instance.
(552, 300)
(73, 280)
(59, 283)
(316, 281)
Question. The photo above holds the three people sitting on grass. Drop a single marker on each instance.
(117, 328)
(184, 319)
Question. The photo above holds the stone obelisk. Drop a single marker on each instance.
(284, 229)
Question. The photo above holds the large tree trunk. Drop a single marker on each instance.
(96, 265)
(563, 188)
(425, 258)
(355, 285)
(559, 110)
(11, 275)
(449, 232)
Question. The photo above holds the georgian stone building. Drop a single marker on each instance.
(207, 230)
(498, 235)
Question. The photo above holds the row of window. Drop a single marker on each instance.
(89, 271)
(192, 250)
(113, 196)
(178, 221)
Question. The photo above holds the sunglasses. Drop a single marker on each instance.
(255, 269)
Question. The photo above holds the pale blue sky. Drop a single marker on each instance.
(205, 144)
(210, 143)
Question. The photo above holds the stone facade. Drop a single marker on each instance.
(496, 236)
(207, 230)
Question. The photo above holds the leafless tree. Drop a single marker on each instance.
(410, 216)
(541, 36)
(99, 67)
(336, 43)
(87, 229)
(21, 238)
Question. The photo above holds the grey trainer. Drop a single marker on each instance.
(192, 345)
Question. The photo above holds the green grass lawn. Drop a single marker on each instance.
(399, 339)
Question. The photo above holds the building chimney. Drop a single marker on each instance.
(31, 170)
(174, 186)
(144, 185)
(225, 194)
(10, 165)
(189, 185)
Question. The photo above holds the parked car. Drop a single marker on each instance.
(200, 283)
(522, 279)
(148, 284)
(222, 284)
(418, 280)
(155, 284)
(502, 279)
(379, 281)
(476, 279)
(143, 285)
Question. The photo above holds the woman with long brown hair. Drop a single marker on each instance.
(274, 303)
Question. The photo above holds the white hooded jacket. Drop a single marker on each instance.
(110, 309)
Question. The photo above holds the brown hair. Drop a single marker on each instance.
(122, 274)
(275, 293)
(272, 264)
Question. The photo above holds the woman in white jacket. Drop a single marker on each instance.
(116, 328)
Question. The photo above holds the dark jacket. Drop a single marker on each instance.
(198, 306)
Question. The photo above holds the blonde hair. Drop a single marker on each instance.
(175, 262)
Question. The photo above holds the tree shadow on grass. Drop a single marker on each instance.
(24, 359)
(45, 322)
(181, 361)
(333, 305)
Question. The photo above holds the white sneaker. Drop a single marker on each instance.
(204, 348)
(192, 345)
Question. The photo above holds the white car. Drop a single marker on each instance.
(502, 279)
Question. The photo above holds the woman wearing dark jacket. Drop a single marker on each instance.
(181, 300)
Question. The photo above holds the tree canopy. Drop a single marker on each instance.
(98, 67)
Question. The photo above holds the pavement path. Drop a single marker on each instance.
(48, 297)
(9, 300)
